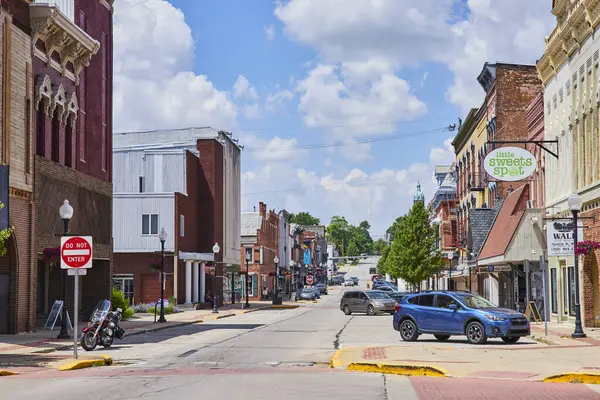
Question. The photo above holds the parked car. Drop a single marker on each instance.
(385, 288)
(379, 284)
(322, 288)
(355, 279)
(366, 301)
(398, 296)
(336, 280)
(444, 314)
(317, 292)
(348, 282)
(307, 294)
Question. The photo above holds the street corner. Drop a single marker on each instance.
(84, 362)
(5, 372)
(588, 378)
(342, 358)
(398, 369)
(221, 316)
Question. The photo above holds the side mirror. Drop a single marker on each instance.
(453, 306)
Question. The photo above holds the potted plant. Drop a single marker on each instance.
(586, 247)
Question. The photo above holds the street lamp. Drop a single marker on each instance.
(216, 249)
(276, 297)
(66, 213)
(248, 259)
(162, 236)
(450, 257)
(294, 279)
(575, 203)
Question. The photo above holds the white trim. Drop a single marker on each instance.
(201, 257)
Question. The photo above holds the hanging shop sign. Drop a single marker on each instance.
(559, 234)
(510, 164)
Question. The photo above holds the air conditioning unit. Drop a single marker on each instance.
(529, 204)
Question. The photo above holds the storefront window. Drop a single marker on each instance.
(572, 291)
(125, 284)
(565, 291)
(553, 291)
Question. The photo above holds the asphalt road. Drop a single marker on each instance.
(271, 354)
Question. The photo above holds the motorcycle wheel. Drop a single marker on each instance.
(88, 341)
(108, 342)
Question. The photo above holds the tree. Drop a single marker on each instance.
(382, 263)
(304, 218)
(338, 233)
(414, 255)
(352, 250)
(4, 236)
(378, 247)
(391, 231)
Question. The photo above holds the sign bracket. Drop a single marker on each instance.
(539, 143)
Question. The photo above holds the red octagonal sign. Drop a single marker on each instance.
(309, 280)
(76, 252)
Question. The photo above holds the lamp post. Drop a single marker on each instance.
(450, 257)
(575, 203)
(294, 279)
(66, 213)
(276, 285)
(162, 236)
(216, 249)
(248, 259)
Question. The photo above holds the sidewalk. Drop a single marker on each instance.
(556, 354)
(38, 344)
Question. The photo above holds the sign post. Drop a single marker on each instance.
(76, 256)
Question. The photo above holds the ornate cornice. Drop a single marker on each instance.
(61, 35)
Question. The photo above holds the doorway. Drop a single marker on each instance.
(4, 302)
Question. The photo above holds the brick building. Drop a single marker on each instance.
(57, 145)
(569, 69)
(260, 240)
(535, 132)
(188, 182)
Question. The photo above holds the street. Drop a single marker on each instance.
(270, 354)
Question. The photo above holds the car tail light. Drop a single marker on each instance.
(397, 307)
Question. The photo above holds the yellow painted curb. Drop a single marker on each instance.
(574, 377)
(335, 359)
(406, 370)
(4, 372)
(286, 306)
(80, 364)
(223, 316)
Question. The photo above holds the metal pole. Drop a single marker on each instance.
(64, 330)
(247, 284)
(162, 282)
(578, 333)
(545, 296)
(75, 312)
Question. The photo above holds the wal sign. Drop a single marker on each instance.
(559, 234)
(509, 164)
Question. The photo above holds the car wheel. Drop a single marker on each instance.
(371, 310)
(442, 338)
(476, 333)
(408, 331)
(347, 310)
(511, 339)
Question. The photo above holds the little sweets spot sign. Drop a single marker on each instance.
(76, 252)
(509, 164)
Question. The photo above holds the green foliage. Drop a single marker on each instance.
(170, 309)
(342, 234)
(391, 231)
(355, 262)
(119, 300)
(128, 313)
(304, 218)
(378, 246)
(4, 236)
(414, 255)
(352, 250)
(381, 264)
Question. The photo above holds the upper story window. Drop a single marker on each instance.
(182, 225)
(149, 224)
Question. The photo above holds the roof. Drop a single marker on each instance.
(165, 138)
(251, 223)
(506, 224)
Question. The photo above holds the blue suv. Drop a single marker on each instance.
(444, 314)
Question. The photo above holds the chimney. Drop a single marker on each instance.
(262, 208)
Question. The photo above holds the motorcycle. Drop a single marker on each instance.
(103, 327)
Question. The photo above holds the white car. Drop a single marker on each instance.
(348, 282)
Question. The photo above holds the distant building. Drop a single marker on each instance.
(419, 196)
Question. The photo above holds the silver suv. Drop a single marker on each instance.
(367, 301)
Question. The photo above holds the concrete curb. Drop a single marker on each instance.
(80, 364)
(406, 370)
(574, 377)
(224, 316)
(4, 372)
(286, 306)
(335, 359)
(161, 327)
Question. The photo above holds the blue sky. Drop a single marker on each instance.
(352, 70)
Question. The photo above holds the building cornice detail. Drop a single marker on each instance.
(61, 35)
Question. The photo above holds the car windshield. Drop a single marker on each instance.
(475, 301)
(307, 290)
(378, 295)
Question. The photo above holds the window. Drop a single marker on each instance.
(553, 291)
(568, 87)
(560, 95)
(414, 300)
(142, 184)
(182, 225)
(571, 290)
(55, 137)
(149, 224)
(444, 301)
(426, 300)
(125, 284)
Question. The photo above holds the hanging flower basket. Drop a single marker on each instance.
(154, 264)
(51, 254)
(586, 247)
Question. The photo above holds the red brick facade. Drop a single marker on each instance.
(590, 307)
(535, 131)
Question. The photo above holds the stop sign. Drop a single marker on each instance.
(309, 279)
(76, 252)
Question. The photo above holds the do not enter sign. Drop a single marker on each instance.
(76, 252)
(309, 279)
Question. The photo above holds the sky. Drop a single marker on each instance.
(342, 106)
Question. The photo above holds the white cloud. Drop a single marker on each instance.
(270, 32)
(399, 33)
(442, 155)
(154, 86)
(277, 149)
(355, 101)
(243, 90)
(274, 100)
